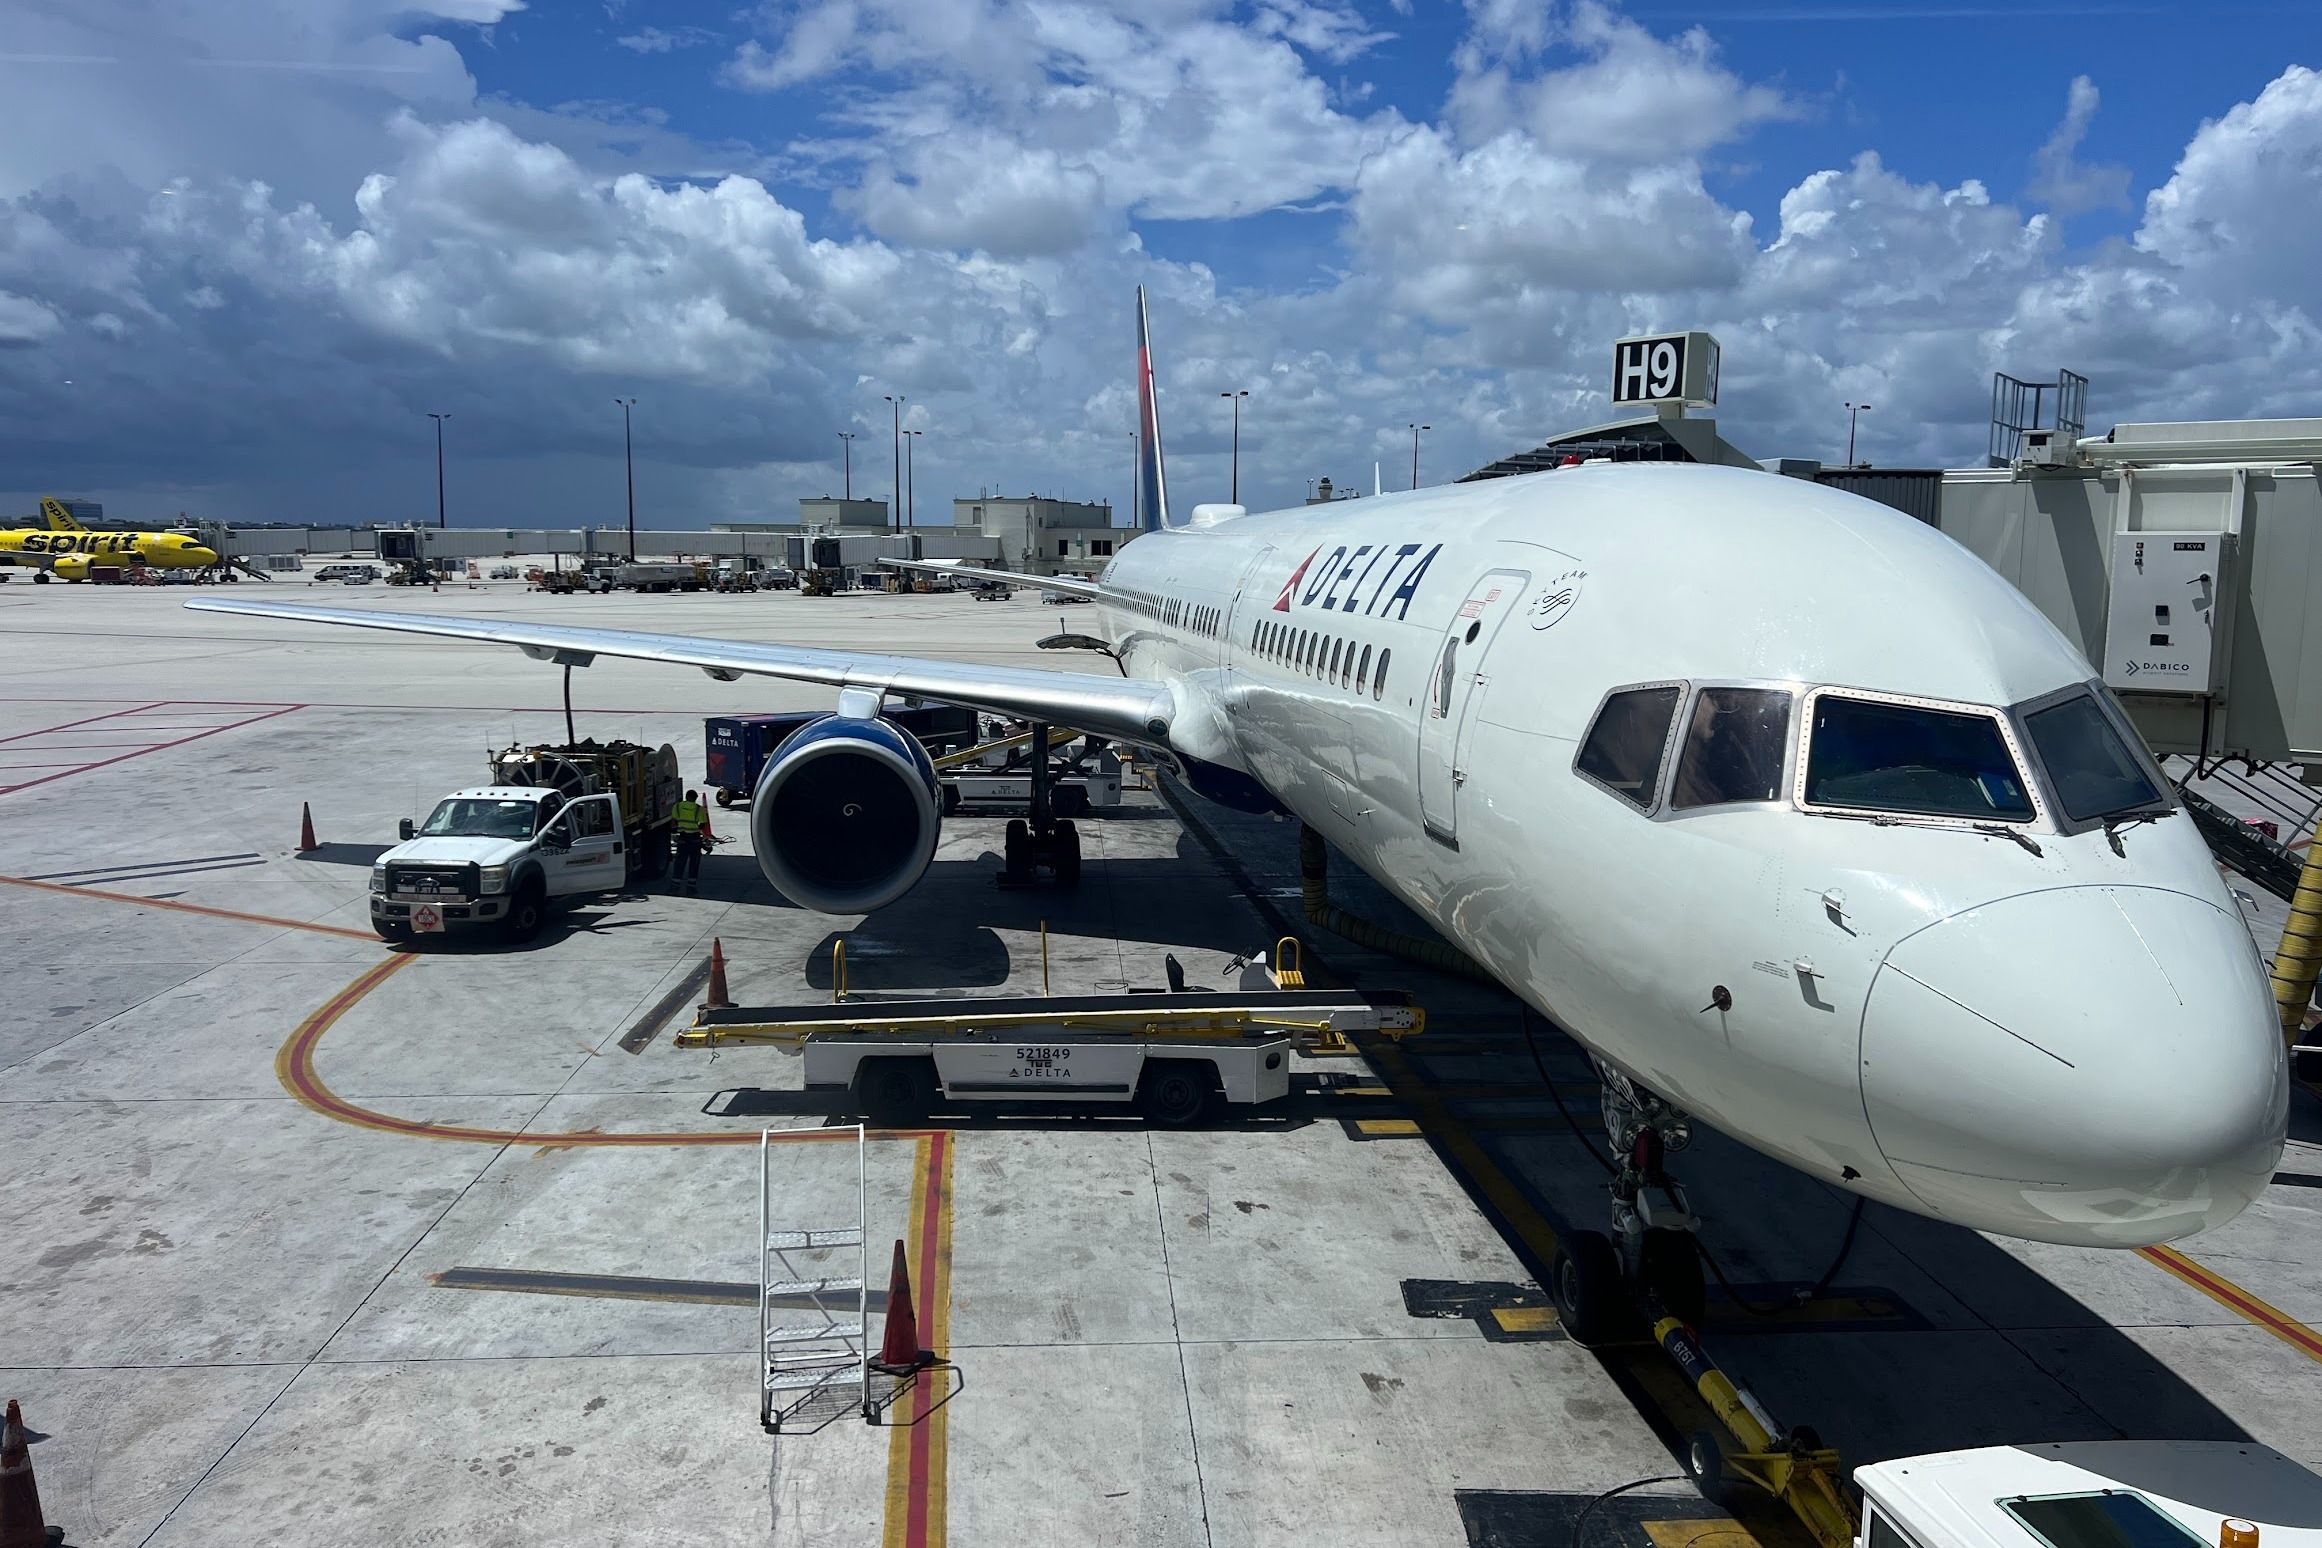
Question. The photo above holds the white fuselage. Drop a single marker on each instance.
(2076, 1045)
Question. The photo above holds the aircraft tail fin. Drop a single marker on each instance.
(59, 519)
(1152, 485)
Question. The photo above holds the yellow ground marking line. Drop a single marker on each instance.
(918, 1447)
(1701, 1532)
(2232, 1296)
(294, 1067)
(192, 908)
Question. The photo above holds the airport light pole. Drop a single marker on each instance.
(895, 510)
(1415, 429)
(847, 451)
(1236, 398)
(1853, 411)
(911, 476)
(439, 419)
(629, 457)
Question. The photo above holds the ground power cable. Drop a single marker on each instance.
(1580, 1522)
(1821, 1286)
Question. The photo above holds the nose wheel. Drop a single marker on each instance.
(1648, 1265)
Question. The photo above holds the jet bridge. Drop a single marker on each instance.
(2184, 559)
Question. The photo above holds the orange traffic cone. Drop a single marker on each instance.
(21, 1525)
(718, 998)
(899, 1353)
(306, 843)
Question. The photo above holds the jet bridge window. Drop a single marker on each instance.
(1625, 747)
(1873, 755)
(1734, 743)
(2091, 769)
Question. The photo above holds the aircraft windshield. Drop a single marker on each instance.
(472, 818)
(2093, 770)
(1907, 759)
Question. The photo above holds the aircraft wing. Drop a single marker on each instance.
(1109, 706)
(1071, 586)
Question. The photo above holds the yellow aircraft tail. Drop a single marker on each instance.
(59, 519)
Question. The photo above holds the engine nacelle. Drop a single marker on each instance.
(845, 817)
(71, 567)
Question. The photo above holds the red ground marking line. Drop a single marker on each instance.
(175, 907)
(2231, 1296)
(294, 1067)
(934, 1296)
(89, 768)
(142, 706)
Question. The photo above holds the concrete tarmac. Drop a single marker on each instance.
(310, 1242)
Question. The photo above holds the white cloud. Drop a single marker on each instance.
(2244, 208)
(24, 321)
(2062, 182)
(663, 40)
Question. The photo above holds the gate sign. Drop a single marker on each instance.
(1666, 368)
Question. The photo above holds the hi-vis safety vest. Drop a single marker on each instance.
(690, 816)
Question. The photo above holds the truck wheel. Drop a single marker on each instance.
(1174, 1093)
(725, 798)
(527, 910)
(895, 1093)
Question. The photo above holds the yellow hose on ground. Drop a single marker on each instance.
(1314, 886)
(2299, 958)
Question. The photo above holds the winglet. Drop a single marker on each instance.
(1152, 486)
(59, 519)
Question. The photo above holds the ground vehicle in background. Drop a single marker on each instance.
(645, 778)
(1062, 599)
(733, 575)
(344, 572)
(779, 578)
(499, 857)
(503, 572)
(993, 591)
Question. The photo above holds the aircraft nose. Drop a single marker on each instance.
(201, 555)
(2093, 1065)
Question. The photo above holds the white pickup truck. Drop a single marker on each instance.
(498, 857)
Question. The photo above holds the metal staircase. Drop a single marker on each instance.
(812, 1321)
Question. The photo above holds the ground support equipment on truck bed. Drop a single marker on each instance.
(737, 748)
(1173, 1055)
(645, 778)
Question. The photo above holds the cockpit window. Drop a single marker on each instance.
(2093, 771)
(1734, 742)
(1625, 747)
(1907, 758)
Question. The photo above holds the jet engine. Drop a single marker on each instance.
(71, 567)
(845, 816)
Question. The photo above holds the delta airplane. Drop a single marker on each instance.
(1799, 818)
(66, 549)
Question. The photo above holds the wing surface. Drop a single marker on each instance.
(1110, 706)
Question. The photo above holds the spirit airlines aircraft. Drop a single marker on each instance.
(1798, 817)
(68, 550)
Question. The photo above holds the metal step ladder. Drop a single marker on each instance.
(813, 1309)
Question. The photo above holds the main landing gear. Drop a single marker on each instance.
(1045, 842)
(1649, 1259)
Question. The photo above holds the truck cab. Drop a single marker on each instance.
(2092, 1494)
(498, 857)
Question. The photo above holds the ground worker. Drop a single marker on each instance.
(693, 836)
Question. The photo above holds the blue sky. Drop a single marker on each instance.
(244, 248)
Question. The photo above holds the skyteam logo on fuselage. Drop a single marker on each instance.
(1344, 581)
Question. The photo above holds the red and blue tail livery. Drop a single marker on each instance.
(1152, 487)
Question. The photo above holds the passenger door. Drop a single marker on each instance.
(581, 849)
(1454, 693)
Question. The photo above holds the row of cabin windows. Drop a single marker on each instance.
(1171, 611)
(1335, 661)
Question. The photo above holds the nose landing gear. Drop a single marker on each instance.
(1649, 1259)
